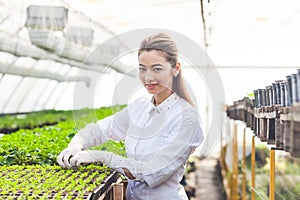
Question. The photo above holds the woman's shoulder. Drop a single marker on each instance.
(186, 106)
(189, 111)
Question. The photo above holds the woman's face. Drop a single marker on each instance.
(155, 72)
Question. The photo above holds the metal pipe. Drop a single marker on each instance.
(259, 98)
(256, 98)
(274, 89)
(271, 120)
(294, 88)
(283, 93)
(289, 91)
(298, 84)
(278, 132)
(269, 95)
(278, 92)
(263, 97)
(263, 120)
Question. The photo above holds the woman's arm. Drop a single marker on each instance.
(113, 127)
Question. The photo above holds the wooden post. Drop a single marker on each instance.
(235, 170)
(272, 174)
(118, 191)
(253, 169)
(244, 181)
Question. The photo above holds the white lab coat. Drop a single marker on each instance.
(158, 141)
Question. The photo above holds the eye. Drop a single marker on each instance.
(142, 69)
(157, 69)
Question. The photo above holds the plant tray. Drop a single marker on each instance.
(53, 182)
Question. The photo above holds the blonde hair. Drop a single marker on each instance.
(163, 43)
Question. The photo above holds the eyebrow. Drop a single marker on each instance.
(154, 65)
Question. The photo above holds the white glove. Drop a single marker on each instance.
(139, 170)
(63, 158)
(109, 159)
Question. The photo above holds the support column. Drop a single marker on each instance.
(235, 170)
(272, 174)
(253, 169)
(244, 181)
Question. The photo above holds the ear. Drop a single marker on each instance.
(176, 69)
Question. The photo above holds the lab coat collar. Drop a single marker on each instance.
(167, 103)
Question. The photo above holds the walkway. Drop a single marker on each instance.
(207, 180)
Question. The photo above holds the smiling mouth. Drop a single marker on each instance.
(151, 86)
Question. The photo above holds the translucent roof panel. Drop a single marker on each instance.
(54, 97)
(43, 99)
(18, 95)
(8, 87)
(64, 101)
(33, 95)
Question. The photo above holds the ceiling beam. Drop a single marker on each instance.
(34, 73)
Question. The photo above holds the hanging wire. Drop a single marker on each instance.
(207, 15)
(204, 25)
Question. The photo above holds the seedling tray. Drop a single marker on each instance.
(53, 182)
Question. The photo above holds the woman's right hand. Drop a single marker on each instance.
(64, 157)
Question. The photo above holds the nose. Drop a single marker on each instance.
(149, 76)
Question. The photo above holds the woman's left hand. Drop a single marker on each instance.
(91, 156)
(111, 160)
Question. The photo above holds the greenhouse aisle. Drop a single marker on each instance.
(207, 180)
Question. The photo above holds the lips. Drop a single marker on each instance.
(151, 86)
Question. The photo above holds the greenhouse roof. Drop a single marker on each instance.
(49, 47)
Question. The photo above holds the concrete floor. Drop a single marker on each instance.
(207, 180)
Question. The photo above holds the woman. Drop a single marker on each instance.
(160, 133)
